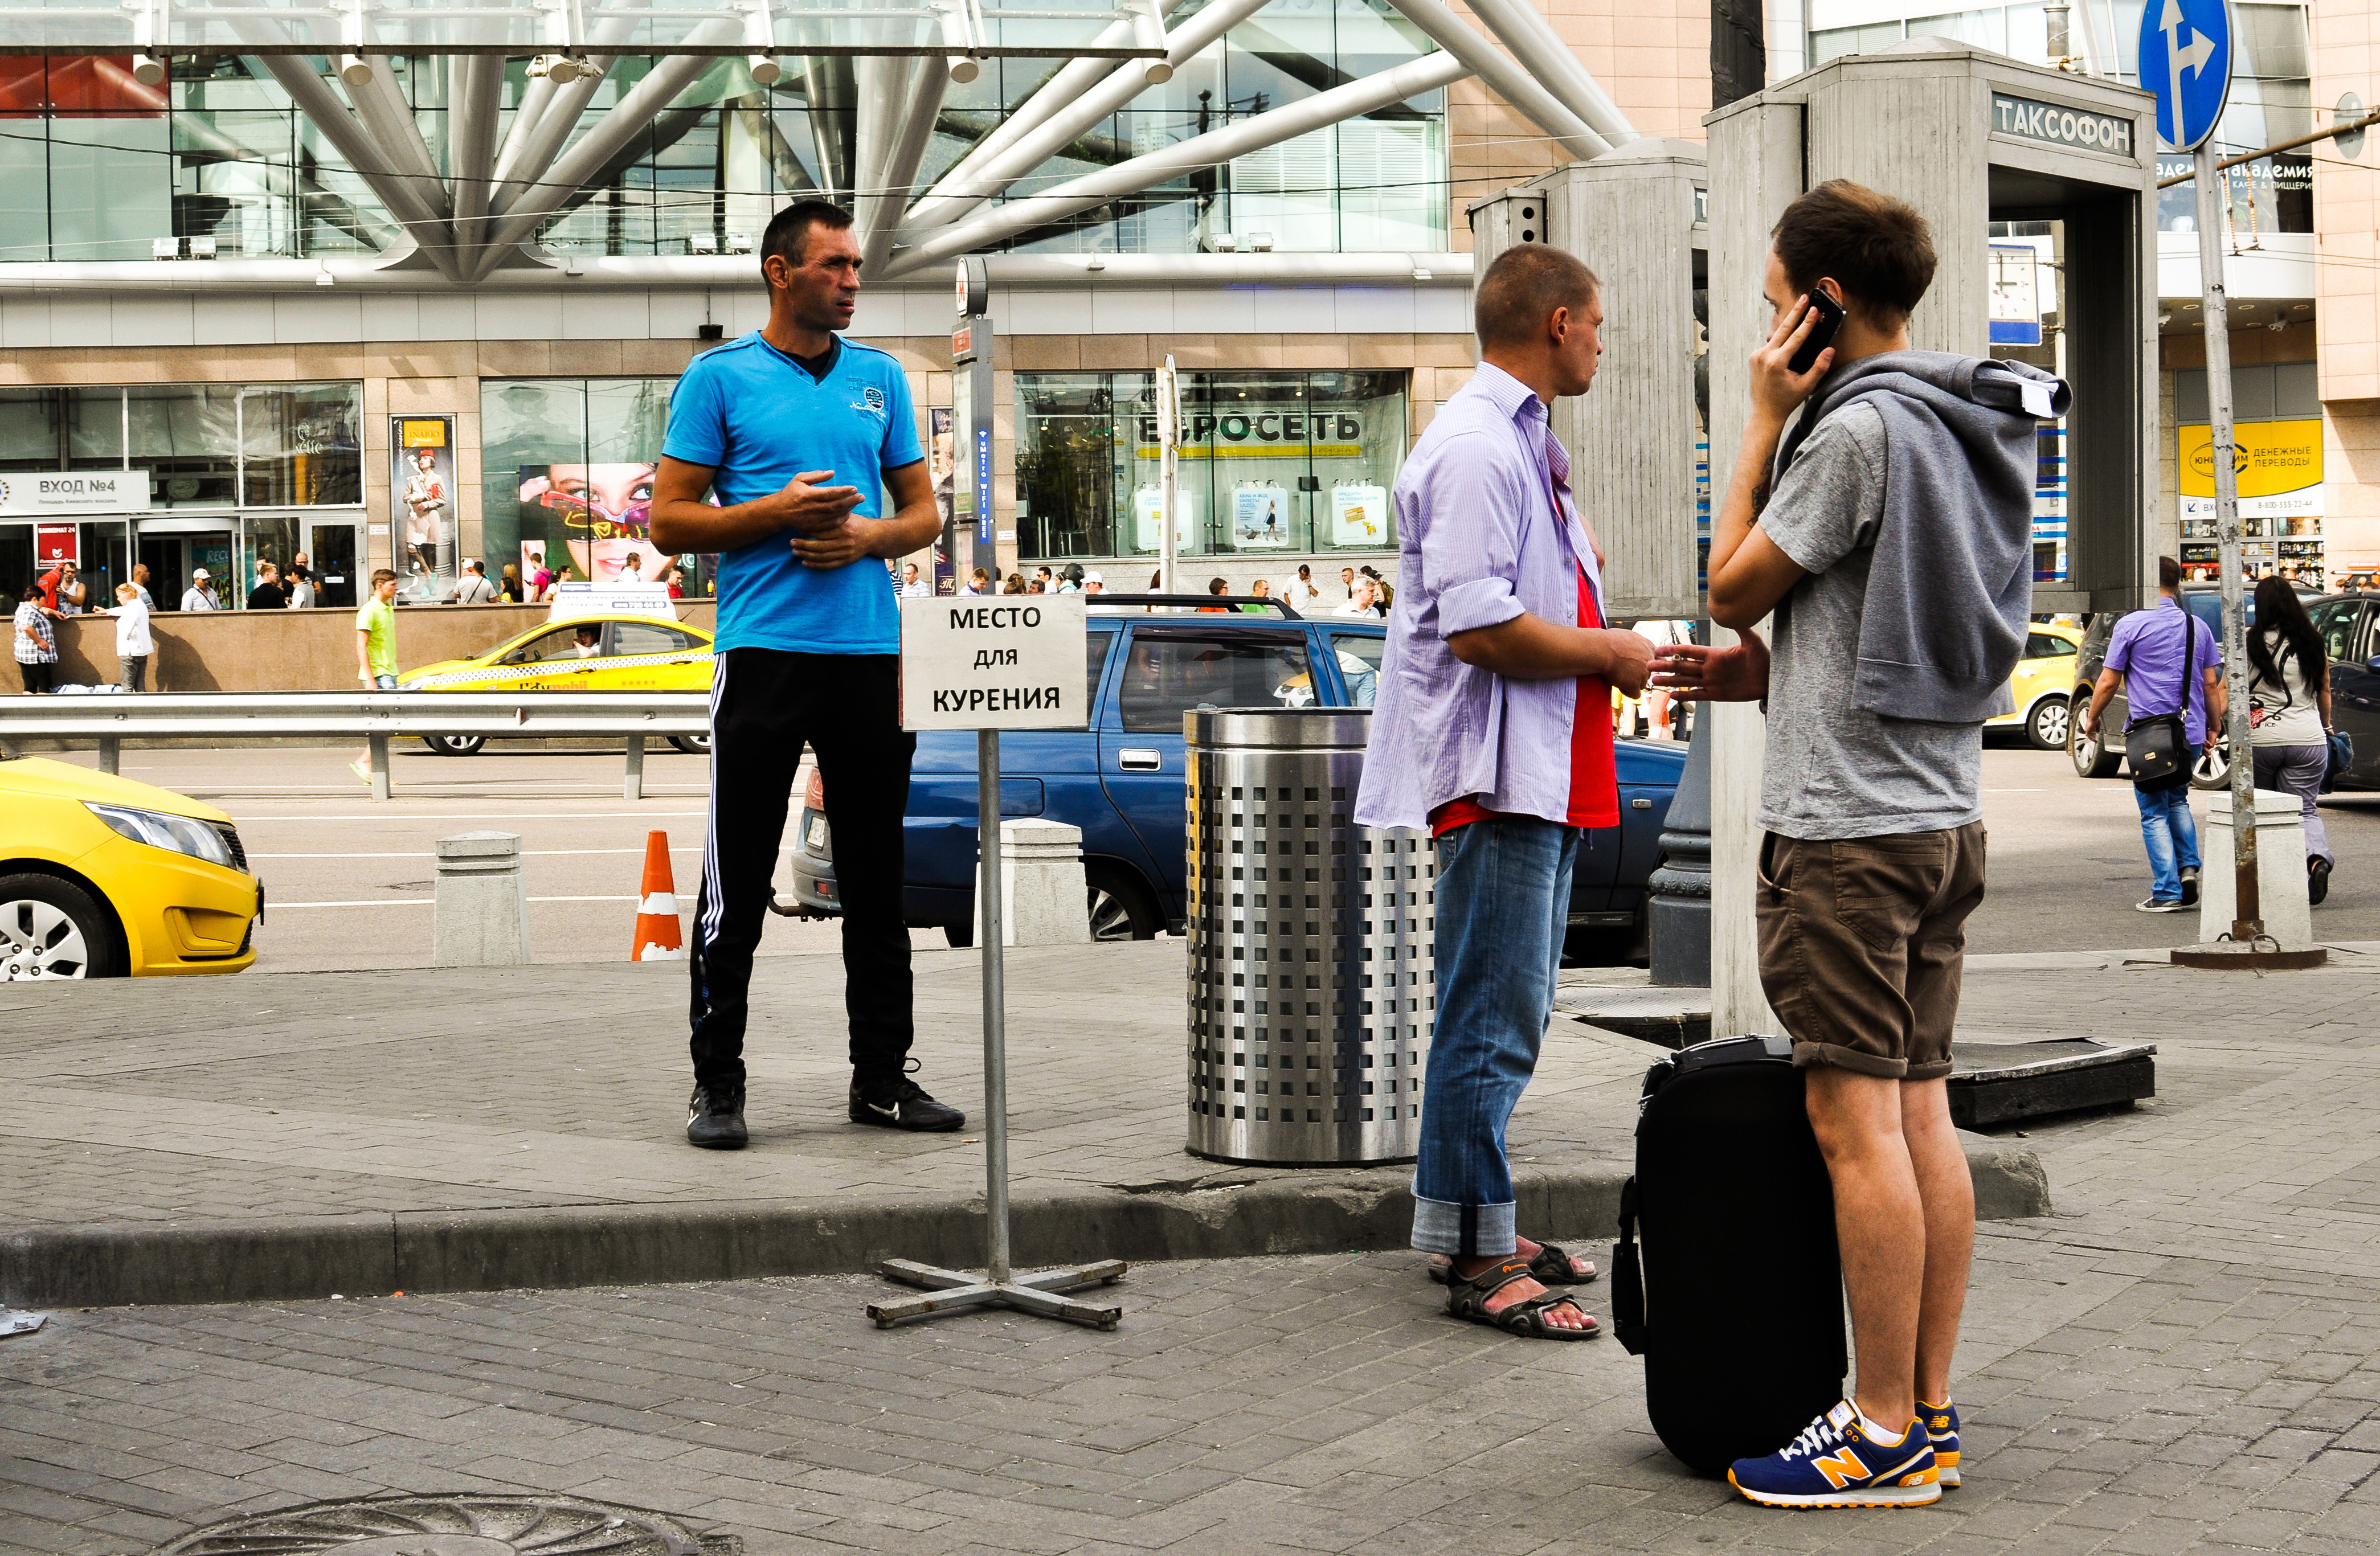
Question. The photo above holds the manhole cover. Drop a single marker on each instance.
(465, 1525)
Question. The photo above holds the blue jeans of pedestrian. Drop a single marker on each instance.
(2171, 833)
(1503, 904)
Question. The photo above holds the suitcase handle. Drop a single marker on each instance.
(1628, 1277)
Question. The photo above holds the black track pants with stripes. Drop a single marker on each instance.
(765, 704)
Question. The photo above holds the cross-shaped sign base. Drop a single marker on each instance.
(1038, 1292)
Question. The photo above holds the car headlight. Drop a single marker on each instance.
(183, 834)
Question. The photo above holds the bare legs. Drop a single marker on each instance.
(1905, 1221)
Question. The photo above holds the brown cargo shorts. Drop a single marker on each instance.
(1862, 942)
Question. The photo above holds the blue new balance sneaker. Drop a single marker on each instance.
(1839, 1461)
(1942, 1429)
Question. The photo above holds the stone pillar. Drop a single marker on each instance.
(481, 917)
(1043, 900)
(2280, 870)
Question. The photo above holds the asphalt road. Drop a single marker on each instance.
(349, 882)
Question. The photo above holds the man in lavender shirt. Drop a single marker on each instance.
(1493, 729)
(2151, 654)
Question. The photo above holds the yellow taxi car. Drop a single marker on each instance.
(103, 877)
(2043, 682)
(619, 652)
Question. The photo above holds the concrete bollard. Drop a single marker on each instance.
(1043, 900)
(2280, 870)
(481, 917)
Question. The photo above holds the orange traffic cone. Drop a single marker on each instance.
(657, 937)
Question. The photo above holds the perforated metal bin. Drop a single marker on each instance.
(1312, 978)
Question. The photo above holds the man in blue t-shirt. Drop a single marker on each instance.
(810, 445)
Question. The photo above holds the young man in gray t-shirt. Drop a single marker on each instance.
(1873, 857)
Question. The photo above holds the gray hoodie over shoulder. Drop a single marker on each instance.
(1949, 592)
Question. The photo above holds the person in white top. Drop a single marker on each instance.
(912, 583)
(141, 584)
(1363, 602)
(200, 596)
(133, 644)
(473, 588)
(2288, 716)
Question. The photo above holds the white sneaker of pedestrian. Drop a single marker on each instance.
(2159, 905)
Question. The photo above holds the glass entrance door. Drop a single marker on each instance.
(333, 551)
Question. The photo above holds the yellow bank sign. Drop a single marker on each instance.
(2271, 457)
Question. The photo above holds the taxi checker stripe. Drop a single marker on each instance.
(546, 667)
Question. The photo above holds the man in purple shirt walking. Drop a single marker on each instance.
(1478, 735)
(2152, 654)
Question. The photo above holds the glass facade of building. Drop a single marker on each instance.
(1273, 461)
(566, 471)
(94, 166)
(2271, 92)
(236, 472)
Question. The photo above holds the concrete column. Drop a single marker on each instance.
(2280, 870)
(481, 917)
(1756, 171)
(1043, 900)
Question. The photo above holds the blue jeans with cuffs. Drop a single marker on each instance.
(2171, 832)
(1503, 905)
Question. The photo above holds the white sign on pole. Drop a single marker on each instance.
(997, 662)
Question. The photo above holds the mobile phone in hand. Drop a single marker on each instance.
(1822, 334)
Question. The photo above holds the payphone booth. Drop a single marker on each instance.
(2040, 187)
(2000, 158)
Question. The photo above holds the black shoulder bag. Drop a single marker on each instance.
(2157, 748)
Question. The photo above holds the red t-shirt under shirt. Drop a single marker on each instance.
(1594, 776)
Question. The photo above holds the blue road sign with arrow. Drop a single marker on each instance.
(2186, 60)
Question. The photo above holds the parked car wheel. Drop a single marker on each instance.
(455, 745)
(51, 928)
(2093, 757)
(692, 745)
(2047, 725)
(1120, 907)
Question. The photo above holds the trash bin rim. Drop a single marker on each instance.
(1286, 729)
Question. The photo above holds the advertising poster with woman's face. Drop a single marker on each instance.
(604, 514)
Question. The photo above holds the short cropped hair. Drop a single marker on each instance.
(1523, 285)
(381, 576)
(2168, 572)
(789, 230)
(1877, 249)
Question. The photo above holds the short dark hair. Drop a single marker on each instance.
(2168, 572)
(1218, 586)
(1523, 285)
(1877, 249)
(789, 230)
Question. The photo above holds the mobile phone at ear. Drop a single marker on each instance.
(1822, 334)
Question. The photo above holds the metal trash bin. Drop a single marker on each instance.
(1312, 967)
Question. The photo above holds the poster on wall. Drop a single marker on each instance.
(2281, 496)
(1148, 529)
(1260, 517)
(938, 423)
(605, 515)
(1359, 516)
(422, 480)
(53, 543)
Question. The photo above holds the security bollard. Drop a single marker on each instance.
(1043, 897)
(481, 917)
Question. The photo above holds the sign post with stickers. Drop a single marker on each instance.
(1000, 662)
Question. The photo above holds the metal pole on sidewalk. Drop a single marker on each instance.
(2247, 912)
(995, 1008)
(949, 1291)
(1168, 469)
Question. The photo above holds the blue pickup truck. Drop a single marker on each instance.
(1122, 778)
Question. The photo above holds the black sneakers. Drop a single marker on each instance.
(716, 1120)
(2190, 885)
(2317, 881)
(898, 1102)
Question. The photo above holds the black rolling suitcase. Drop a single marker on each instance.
(1725, 1278)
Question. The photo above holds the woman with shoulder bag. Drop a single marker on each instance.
(2288, 715)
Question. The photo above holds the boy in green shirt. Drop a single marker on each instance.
(376, 648)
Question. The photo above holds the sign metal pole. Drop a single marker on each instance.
(964, 665)
(1169, 470)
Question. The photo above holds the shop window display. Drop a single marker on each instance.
(1271, 461)
(567, 469)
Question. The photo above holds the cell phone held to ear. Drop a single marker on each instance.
(1829, 318)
